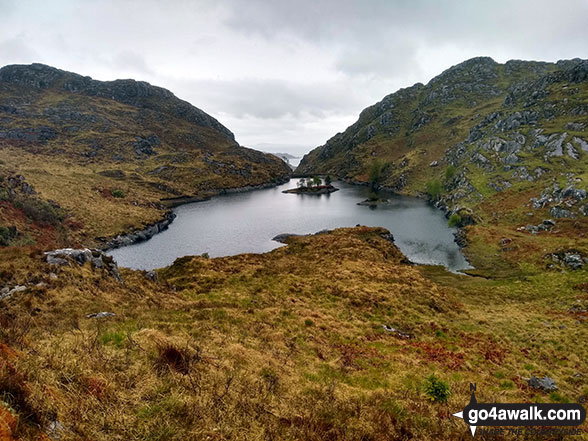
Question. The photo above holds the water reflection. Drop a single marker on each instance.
(246, 222)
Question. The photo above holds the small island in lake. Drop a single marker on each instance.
(312, 186)
(374, 200)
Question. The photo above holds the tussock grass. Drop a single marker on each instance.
(285, 345)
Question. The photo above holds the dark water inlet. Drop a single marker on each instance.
(246, 223)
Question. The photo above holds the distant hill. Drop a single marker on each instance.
(74, 138)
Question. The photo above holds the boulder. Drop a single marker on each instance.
(545, 384)
(152, 275)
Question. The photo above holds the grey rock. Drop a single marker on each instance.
(53, 260)
(152, 275)
(144, 146)
(511, 159)
(80, 256)
(533, 229)
(580, 143)
(99, 315)
(539, 172)
(522, 174)
(573, 260)
(6, 292)
(96, 262)
(55, 430)
(571, 151)
(576, 127)
(545, 384)
(559, 212)
(397, 332)
(555, 144)
(480, 158)
(573, 193)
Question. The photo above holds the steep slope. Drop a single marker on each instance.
(504, 147)
(109, 152)
(416, 124)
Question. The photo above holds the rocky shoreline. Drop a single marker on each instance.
(141, 235)
(137, 236)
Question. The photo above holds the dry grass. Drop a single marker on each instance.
(285, 345)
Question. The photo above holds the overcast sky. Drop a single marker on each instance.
(285, 71)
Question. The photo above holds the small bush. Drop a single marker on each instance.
(118, 193)
(6, 235)
(450, 172)
(455, 220)
(437, 390)
(440, 334)
(308, 322)
(4, 196)
(40, 211)
(375, 175)
(433, 188)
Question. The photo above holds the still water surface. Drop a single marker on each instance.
(247, 222)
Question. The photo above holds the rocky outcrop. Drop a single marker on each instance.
(571, 259)
(97, 259)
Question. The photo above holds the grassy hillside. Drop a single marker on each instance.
(107, 153)
(501, 147)
(332, 337)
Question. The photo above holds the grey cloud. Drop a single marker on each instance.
(129, 61)
(540, 29)
(15, 50)
(270, 98)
